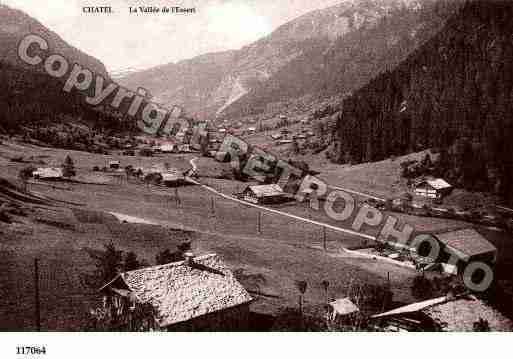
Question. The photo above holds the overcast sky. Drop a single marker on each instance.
(122, 40)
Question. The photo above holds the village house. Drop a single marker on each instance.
(433, 188)
(463, 313)
(197, 294)
(264, 194)
(48, 173)
(173, 179)
(466, 244)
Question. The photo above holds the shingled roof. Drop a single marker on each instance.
(467, 241)
(266, 190)
(457, 314)
(181, 291)
(343, 306)
(460, 315)
(437, 183)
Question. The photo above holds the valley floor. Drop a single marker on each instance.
(77, 218)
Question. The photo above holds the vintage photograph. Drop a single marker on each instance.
(255, 166)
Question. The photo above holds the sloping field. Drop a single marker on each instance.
(282, 252)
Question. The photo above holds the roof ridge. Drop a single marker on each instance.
(172, 264)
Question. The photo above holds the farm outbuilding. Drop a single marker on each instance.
(264, 194)
(434, 188)
(342, 308)
(196, 294)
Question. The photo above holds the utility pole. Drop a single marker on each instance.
(176, 196)
(212, 206)
(324, 238)
(387, 289)
(259, 223)
(36, 287)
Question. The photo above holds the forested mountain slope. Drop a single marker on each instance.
(453, 93)
(29, 97)
(350, 61)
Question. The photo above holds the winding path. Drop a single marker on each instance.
(285, 214)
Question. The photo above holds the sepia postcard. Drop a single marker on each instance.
(255, 167)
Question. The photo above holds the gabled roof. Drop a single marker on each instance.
(343, 306)
(410, 308)
(48, 172)
(266, 190)
(181, 291)
(437, 183)
(467, 241)
(460, 315)
(172, 176)
(455, 313)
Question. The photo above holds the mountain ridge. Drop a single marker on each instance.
(236, 76)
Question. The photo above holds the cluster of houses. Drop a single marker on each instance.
(284, 137)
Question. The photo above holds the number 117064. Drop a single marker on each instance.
(30, 350)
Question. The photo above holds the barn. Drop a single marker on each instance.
(434, 188)
(466, 244)
(264, 194)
